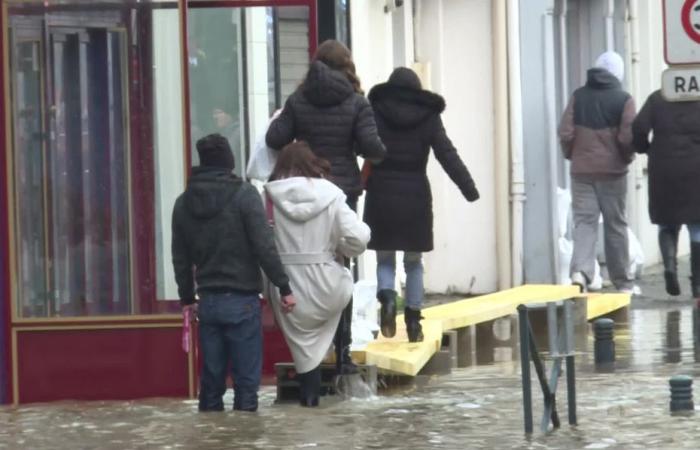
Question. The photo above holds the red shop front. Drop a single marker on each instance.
(102, 101)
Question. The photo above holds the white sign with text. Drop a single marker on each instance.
(681, 84)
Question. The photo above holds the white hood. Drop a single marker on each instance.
(301, 199)
(613, 63)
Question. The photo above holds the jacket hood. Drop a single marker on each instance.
(602, 79)
(301, 199)
(208, 190)
(326, 87)
(613, 63)
(402, 105)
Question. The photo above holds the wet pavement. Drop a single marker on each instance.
(475, 408)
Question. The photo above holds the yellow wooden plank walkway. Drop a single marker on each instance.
(398, 355)
(602, 304)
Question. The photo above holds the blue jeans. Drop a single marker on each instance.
(693, 230)
(230, 331)
(413, 265)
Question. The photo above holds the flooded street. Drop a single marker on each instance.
(478, 407)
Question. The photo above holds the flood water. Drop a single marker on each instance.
(473, 408)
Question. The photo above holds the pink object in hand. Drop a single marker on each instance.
(186, 329)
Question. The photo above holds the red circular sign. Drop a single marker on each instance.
(691, 29)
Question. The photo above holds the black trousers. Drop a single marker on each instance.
(343, 335)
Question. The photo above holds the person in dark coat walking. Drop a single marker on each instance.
(220, 240)
(674, 179)
(399, 205)
(331, 114)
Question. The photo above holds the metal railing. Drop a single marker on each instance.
(561, 346)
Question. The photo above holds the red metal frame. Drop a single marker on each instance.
(5, 290)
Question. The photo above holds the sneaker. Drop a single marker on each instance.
(632, 290)
(579, 279)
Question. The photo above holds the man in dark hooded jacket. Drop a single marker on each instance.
(220, 241)
(596, 136)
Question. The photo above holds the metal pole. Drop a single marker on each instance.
(570, 361)
(552, 329)
(525, 366)
(571, 388)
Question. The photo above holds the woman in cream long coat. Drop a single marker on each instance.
(314, 228)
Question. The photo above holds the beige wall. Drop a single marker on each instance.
(454, 41)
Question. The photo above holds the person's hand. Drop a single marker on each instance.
(288, 303)
(472, 194)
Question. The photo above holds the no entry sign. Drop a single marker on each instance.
(682, 31)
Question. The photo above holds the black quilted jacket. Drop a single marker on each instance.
(334, 120)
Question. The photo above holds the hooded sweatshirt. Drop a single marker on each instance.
(219, 228)
(336, 122)
(596, 128)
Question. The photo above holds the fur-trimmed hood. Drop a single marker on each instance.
(401, 101)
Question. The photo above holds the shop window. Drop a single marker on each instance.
(99, 148)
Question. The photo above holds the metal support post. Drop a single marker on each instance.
(524, 326)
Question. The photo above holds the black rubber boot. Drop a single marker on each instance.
(309, 387)
(413, 326)
(387, 314)
(668, 244)
(343, 340)
(695, 269)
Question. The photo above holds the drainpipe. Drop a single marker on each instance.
(501, 137)
(551, 119)
(417, 42)
(637, 210)
(564, 71)
(610, 26)
(517, 179)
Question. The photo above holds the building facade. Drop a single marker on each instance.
(103, 100)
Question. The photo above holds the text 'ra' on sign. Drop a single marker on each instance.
(681, 84)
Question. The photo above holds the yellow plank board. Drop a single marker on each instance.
(399, 356)
(602, 304)
(485, 308)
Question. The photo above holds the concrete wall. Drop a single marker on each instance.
(456, 40)
(541, 152)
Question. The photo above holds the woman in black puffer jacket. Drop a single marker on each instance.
(330, 113)
(399, 204)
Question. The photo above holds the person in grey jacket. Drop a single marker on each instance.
(220, 240)
(596, 136)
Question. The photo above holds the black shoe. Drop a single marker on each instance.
(387, 298)
(672, 285)
(309, 387)
(413, 326)
(668, 244)
(695, 269)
